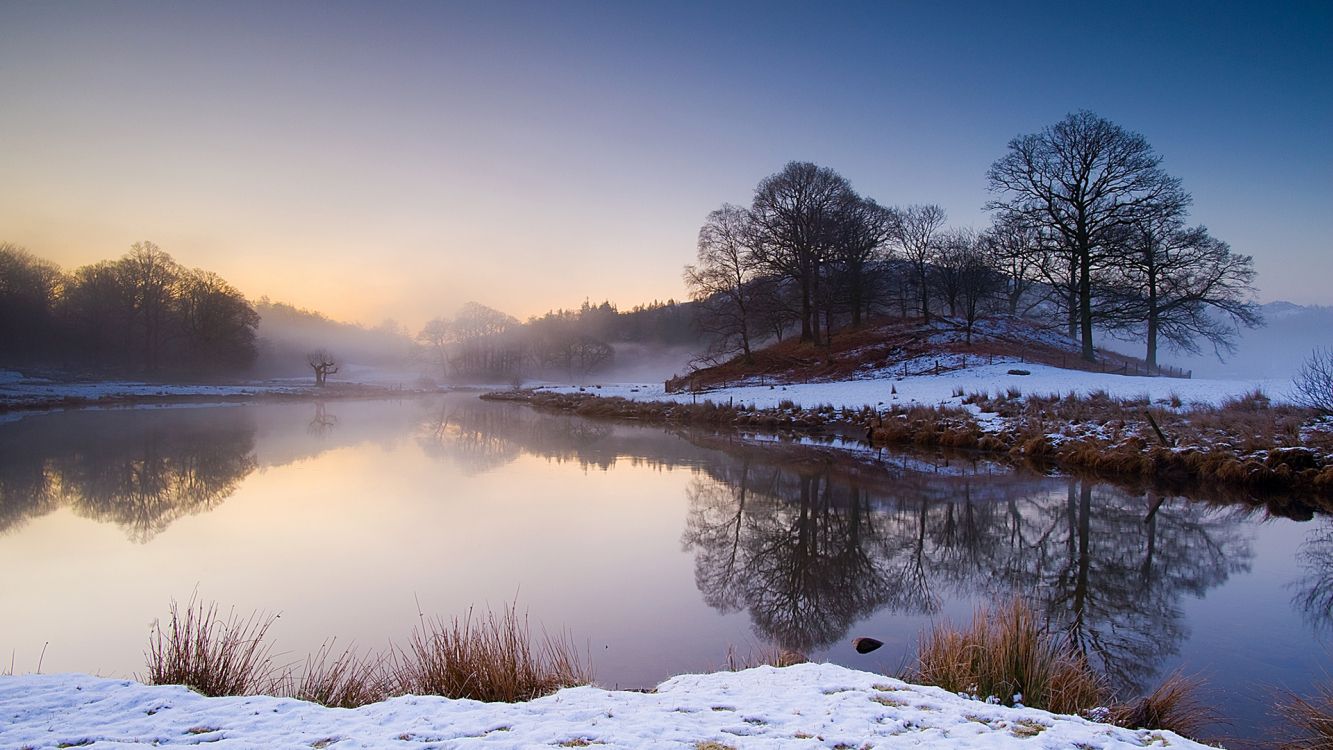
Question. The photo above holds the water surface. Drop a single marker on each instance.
(658, 549)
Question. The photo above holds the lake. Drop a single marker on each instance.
(657, 549)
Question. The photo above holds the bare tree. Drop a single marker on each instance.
(794, 215)
(863, 232)
(1314, 381)
(916, 235)
(1017, 252)
(1084, 178)
(979, 282)
(1185, 285)
(723, 280)
(322, 362)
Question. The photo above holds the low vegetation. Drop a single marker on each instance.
(1310, 720)
(213, 655)
(490, 657)
(1005, 654)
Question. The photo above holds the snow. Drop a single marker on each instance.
(804, 706)
(937, 389)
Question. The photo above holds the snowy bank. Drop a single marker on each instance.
(937, 389)
(808, 705)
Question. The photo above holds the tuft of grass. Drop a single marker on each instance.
(491, 658)
(1174, 706)
(1004, 653)
(1310, 720)
(345, 680)
(214, 656)
(773, 656)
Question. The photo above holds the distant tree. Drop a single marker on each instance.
(956, 249)
(917, 238)
(794, 215)
(323, 363)
(862, 234)
(148, 276)
(1017, 251)
(1084, 178)
(29, 289)
(723, 279)
(979, 282)
(217, 322)
(1314, 381)
(1183, 285)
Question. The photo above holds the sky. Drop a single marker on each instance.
(394, 160)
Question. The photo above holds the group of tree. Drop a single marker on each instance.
(1088, 231)
(480, 343)
(143, 314)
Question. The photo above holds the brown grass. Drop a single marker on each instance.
(215, 656)
(1173, 706)
(490, 658)
(772, 655)
(345, 680)
(1005, 653)
(1310, 720)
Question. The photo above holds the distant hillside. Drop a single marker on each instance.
(906, 347)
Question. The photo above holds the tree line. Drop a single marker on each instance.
(143, 313)
(482, 343)
(1087, 231)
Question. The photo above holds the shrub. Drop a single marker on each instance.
(199, 649)
(347, 680)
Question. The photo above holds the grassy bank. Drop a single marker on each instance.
(1248, 444)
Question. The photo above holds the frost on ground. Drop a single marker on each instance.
(808, 705)
(932, 390)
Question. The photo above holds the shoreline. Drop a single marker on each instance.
(1108, 438)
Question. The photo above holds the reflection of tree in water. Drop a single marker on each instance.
(140, 471)
(807, 549)
(480, 435)
(323, 422)
(1110, 574)
(1314, 590)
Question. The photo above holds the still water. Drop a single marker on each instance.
(657, 549)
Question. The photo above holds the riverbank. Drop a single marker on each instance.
(806, 705)
(1235, 435)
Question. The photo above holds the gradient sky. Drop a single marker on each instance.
(398, 159)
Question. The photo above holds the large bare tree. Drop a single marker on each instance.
(795, 214)
(1085, 178)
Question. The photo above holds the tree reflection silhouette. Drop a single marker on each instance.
(808, 549)
(140, 471)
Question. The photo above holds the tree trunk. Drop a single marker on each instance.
(1085, 302)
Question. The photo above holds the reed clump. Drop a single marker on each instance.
(1309, 720)
(345, 679)
(213, 655)
(1174, 705)
(486, 658)
(1006, 654)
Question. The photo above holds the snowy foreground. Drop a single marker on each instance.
(939, 389)
(805, 706)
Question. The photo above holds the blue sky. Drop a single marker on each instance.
(396, 160)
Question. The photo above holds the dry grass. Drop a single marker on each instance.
(1173, 706)
(1005, 653)
(490, 658)
(215, 656)
(772, 655)
(1310, 720)
(345, 680)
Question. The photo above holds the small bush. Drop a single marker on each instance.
(1005, 653)
(199, 649)
(1314, 381)
(490, 659)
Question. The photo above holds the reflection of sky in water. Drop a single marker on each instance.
(654, 551)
